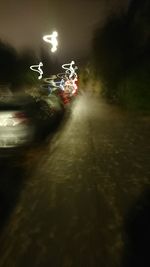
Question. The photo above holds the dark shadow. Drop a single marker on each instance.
(137, 234)
(12, 176)
(50, 131)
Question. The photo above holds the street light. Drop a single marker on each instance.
(38, 69)
(52, 39)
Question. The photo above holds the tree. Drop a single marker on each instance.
(121, 45)
(8, 63)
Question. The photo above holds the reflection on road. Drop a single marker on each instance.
(73, 204)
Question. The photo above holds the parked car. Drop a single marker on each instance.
(49, 112)
(16, 122)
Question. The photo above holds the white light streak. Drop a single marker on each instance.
(38, 69)
(54, 84)
(70, 69)
(70, 83)
(52, 39)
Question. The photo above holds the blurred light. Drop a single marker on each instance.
(39, 70)
(69, 68)
(71, 77)
(66, 81)
(52, 39)
(54, 84)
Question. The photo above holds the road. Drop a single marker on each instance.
(82, 193)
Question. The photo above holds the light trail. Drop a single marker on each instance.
(52, 39)
(38, 69)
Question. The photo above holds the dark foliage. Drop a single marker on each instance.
(15, 68)
(8, 63)
(121, 50)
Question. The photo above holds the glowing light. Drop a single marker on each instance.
(70, 70)
(54, 84)
(38, 69)
(65, 81)
(70, 77)
(71, 85)
(52, 39)
(74, 85)
(60, 84)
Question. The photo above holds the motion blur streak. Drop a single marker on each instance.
(52, 39)
(71, 211)
(38, 69)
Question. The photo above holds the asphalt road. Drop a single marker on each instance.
(82, 199)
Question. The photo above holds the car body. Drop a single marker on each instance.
(16, 122)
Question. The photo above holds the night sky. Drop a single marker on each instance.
(24, 22)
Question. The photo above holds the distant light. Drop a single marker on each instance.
(71, 76)
(70, 69)
(52, 39)
(39, 70)
(55, 84)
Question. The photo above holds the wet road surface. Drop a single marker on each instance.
(81, 192)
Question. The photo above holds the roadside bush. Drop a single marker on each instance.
(134, 91)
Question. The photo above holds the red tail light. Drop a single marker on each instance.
(21, 116)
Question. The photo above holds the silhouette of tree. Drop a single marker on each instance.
(8, 63)
(122, 45)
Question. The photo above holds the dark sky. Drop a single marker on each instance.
(23, 22)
